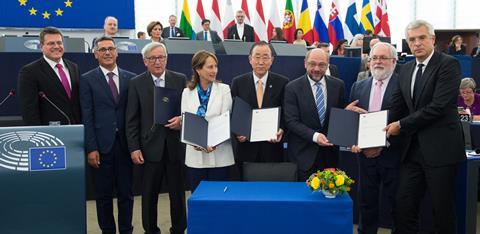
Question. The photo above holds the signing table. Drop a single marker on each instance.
(266, 207)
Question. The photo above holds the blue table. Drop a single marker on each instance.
(266, 207)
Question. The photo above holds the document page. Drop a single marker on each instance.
(370, 129)
(219, 129)
(264, 124)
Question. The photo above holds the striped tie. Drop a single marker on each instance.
(320, 100)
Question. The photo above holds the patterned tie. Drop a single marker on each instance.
(205, 37)
(376, 102)
(418, 78)
(64, 79)
(320, 100)
(113, 86)
(158, 82)
(259, 93)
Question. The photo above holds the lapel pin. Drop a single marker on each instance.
(270, 86)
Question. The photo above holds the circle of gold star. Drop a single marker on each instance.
(46, 14)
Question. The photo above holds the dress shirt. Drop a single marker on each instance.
(53, 65)
(425, 63)
(115, 76)
(263, 78)
(162, 79)
(240, 30)
(384, 87)
(323, 84)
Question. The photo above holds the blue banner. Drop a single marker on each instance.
(66, 13)
(47, 158)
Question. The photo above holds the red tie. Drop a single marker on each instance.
(64, 79)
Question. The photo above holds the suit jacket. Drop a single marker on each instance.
(166, 32)
(248, 33)
(334, 71)
(142, 133)
(39, 76)
(102, 116)
(390, 156)
(432, 118)
(220, 101)
(302, 120)
(213, 34)
(243, 86)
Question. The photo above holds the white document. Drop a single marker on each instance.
(264, 124)
(219, 129)
(370, 129)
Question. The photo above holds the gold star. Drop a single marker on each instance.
(33, 11)
(68, 3)
(46, 15)
(23, 2)
(59, 12)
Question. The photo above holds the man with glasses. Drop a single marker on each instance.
(156, 147)
(308, 100)
(103, 98)
(378, 167)
(260, 88)
(241, 30)
(55, 78)
(172, 30)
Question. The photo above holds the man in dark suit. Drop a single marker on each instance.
(172, 30)
(424, 111)
(378, 167)
(261, 89)
(103, 98)
(241, 30)
(308, 101)
(207, 34)
(156, 147)
(56, 78)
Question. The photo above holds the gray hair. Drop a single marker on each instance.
(391, 48)
(468, 83)
(110, 17)
(417, 24)
(151, 46)
(355, 39)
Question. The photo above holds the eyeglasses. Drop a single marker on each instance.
(155, 59)
(109, 49)
(320, 65)
(381, 59)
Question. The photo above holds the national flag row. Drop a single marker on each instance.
(330, 30)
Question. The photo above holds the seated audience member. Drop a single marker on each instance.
(365, 71)
(141, 35)
(357, 41)
(298, 35)
(340, 49)
(110, 27)
(456, 46)
(172, 30)
(277, 34)
(332, 69)
(476, 50)
(154, 30)
(207, 34)
(468, 99)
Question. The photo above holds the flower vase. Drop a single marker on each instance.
(328, 194)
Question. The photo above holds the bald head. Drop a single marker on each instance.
(316, 63)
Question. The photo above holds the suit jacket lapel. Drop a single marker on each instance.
(365, 99)
(104, 84)
(309, 98)
(253, 95)
(406, 87)
(268, 91)
(388, 92)
(426, 76)
(52, 75)
(213, 93)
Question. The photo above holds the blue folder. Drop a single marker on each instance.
(166, 105)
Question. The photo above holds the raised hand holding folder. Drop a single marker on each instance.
(166, 105)
(197, 131)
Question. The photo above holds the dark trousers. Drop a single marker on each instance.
(322, 161)
(196, 175)
(415, 178)
(376, 182)
(153, 173)
(115, 171)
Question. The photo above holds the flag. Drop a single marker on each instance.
(259, 23)
(352, 27)
(304, 23)
(320, 29)
(382, 26)
(289, 22)
(185, 22)
(274, 20)
(335, 29)
(245, 9)
(228, 18)
(366, 21)
(198, 17)
(65, 13)
(47, 158)
(215, 19)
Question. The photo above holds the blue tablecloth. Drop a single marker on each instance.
(266, 207)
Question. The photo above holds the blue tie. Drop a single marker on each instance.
(320, 101)
(172, 32)
(205, 37)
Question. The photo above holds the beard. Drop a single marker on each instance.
(381, 73)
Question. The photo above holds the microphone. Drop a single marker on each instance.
(44, 96)
(11, 93)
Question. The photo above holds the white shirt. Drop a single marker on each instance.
(209, 37)
(425, 62)
(240, 30)
(53, 64)
(115, 77)
(263, 78)
(384, 87)
(162, 79)
(323, 85)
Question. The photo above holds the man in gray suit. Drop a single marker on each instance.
(156, 147)
(207, 34)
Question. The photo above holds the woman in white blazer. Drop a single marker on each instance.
(208, 98)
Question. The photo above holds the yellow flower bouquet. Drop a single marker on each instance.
(330, 181)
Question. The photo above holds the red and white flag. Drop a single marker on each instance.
(215, 19)
(274, 20)
(245, 9)
(199, 15)
(228, 18)
(259, 25)
(382, 27)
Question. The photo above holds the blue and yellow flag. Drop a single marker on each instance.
(366, 21)
(66, 13)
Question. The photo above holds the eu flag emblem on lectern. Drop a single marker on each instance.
(47, 158)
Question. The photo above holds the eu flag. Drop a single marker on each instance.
(47, 158)
(66, 13)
